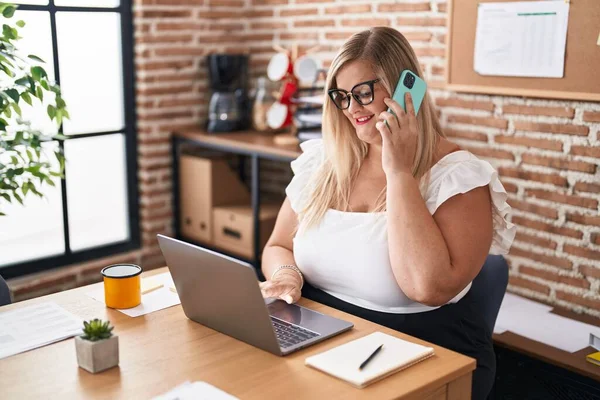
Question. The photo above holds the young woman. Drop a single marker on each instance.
(385, 218)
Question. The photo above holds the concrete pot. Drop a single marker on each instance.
(97, 356)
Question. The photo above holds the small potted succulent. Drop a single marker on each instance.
(97, 349)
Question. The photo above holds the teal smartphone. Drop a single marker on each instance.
(410, 82)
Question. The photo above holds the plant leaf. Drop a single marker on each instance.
(26, 97)
(20, 23)
(13, 93)
(9, 11)
(36, 58)
(16, 196)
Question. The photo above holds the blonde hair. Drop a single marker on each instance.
(389, 53)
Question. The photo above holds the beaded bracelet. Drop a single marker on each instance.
(292, 267)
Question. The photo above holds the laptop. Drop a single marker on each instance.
(223, 294)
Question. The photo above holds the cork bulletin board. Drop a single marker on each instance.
(581, 80)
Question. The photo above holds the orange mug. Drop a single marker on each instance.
(122, 285)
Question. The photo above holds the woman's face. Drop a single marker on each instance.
(363, 118)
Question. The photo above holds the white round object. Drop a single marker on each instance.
(277, 115)
(278, 66)
(305, 68)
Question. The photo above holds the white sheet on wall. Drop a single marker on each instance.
(526, 39)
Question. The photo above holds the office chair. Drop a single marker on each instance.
(489, 287)
(4, 292)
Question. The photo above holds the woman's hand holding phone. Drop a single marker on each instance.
(399, 133)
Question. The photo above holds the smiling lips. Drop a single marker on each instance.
(363, 120)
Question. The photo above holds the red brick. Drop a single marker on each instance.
(545, 227)
(299, 36)
(481, 121)
(469, 104)
(314, 22)
(220, 14)
(181, 51)
(590, 271)
(535, 240)
(527, 284)
(45, 281)
(268, 25)
(438, 70)
(456, 133)
(490, 153)
(166, 103)
(349, 9)
(417, 36)
(595, 238)
(173, 89)
(587, 187)
(594, 304)
(338, 35)
(430, 51)
(586, 151)
(583, 219)
(582, 252)
(534, 208)
(538, 110)
(366, 22)
(159, 65)
(518, 173)
(563, 198)
(542, 258)
(510, 187)
(164, 38)
(302, 11)
(259, 13)
(400, 7)
(442, 7)
(421, 21)
(312, 1)
(559, 163)
(174, 2)
(165, 14)
(228, 3)
(265, 2)
(552, 276)
(544, 144)
(578, 130)
(590, 116)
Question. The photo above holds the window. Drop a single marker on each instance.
(88, 49)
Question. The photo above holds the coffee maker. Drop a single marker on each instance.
(229, 106)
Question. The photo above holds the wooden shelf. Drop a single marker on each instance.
(243, 142)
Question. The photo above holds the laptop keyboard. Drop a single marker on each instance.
(289, 335)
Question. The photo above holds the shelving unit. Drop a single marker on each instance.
(251, 144)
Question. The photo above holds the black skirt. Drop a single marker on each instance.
(457, 327)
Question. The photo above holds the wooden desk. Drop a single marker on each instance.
(163, 349)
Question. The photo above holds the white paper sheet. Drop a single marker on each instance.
(156, 300)
(521, 39)
(534, 321)
(35, 326)
(195, 391)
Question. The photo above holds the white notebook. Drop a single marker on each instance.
(343, 361)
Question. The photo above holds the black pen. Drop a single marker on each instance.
(364, 363)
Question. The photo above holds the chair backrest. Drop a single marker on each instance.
(4, 293)
(489, 287)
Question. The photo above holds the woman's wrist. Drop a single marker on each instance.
(288, 271)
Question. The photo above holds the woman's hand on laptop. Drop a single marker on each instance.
(285, 286)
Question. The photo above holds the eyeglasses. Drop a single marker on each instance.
(362, 93)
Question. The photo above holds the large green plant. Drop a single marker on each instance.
(25, 165)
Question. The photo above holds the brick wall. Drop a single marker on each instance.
(546, 152)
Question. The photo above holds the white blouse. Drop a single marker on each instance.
(347, 255)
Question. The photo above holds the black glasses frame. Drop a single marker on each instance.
(331, 92)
